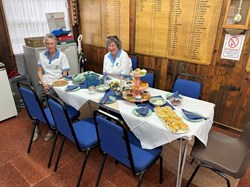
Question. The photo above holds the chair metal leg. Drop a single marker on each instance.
(31, 138)
(100, 171)
(217, 172)
(211, 168)
(59, 154)
(161, 170)
(192, 176)
(140, 178)
(52, 150)
(83, 167)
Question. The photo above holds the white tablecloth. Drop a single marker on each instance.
(152, 132)
(149, 130)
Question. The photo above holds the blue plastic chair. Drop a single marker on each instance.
(39, 114)
(134, 61)
(188, 85)
(149, 77)
(115, 141)
(82, 132)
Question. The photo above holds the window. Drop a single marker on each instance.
(26, 18)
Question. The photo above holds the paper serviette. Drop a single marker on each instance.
(142, 110)
(192, 115)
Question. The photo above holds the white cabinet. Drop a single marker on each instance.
(31, 55)
(7, 103)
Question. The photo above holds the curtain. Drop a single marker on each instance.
(27, 18)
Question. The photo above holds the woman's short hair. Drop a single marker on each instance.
(115, 39)
(47, 36)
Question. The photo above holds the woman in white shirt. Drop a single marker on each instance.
(52, 65)
(116, 62)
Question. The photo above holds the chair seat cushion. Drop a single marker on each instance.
(229, 152)
(85, 132)
(144, 157)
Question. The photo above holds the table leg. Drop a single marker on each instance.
(182, 160)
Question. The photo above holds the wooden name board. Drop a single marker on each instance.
(177, 29)
(101, 18)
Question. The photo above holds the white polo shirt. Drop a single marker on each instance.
(53, 68)
(119, 66)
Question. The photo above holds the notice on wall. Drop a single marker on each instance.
(56, 21)
(232, 47)
(100, 19)
(177, 29)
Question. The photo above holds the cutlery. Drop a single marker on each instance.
(143, 109)
(105, 100)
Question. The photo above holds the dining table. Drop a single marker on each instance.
(150, 129)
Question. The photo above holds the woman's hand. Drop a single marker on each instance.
(46, 87)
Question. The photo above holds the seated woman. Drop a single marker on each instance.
(116, 62)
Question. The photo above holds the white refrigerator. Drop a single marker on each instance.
(7, 103)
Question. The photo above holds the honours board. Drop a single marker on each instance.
(177, 29)
(101, 18)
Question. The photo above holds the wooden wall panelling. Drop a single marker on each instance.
(226, 82)
(241, 112)
(6, 53)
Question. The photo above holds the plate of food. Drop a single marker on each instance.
(102, 87)
(157, 101)
(60, 82)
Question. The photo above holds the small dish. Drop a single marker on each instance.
(157, 101)
(129, 96)
(92, 89)
(176, 101)
(102, 87)
(139, 115)
(138, 97)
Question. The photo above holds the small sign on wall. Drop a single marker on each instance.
(232, 47)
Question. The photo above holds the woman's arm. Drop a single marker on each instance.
(46, 87)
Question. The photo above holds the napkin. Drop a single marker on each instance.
(142, 110)
(146, 104)
(72, 87)
(192, 115)
(175, 94)
(106, 99)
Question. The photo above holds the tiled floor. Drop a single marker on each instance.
(17, 168)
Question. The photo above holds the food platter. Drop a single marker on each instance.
(172, 122)
(60, 82)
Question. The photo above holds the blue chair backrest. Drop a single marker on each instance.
(149, 77)
(134, 60)
(112, 140)
(188, 88)
(32, 104)
(61, 119)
